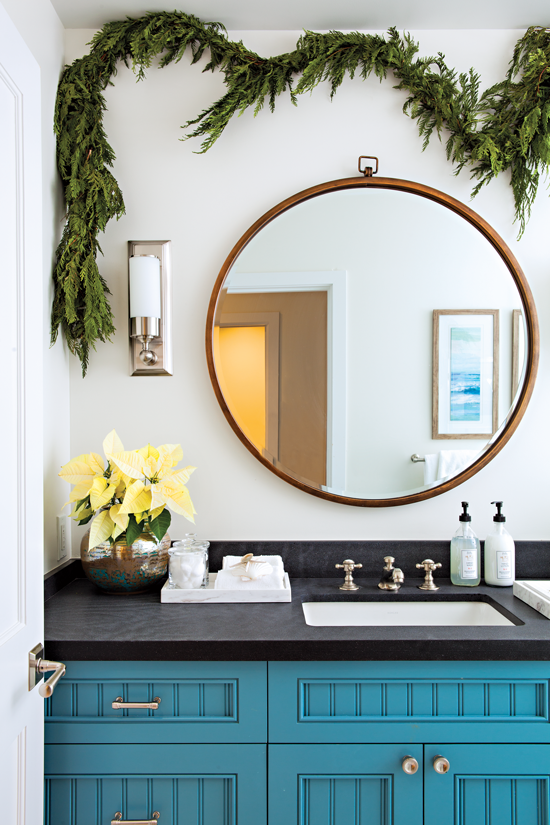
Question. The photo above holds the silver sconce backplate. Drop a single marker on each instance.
(162, 345)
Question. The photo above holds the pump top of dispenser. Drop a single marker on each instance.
(465, 516)
(498, 516)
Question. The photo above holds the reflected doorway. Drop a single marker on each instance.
(279, 341)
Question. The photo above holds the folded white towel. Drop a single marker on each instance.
(275, 561)
(430, 467)
(452, 462)
(446, 463)
(225, 580)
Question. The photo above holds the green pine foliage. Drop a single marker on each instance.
(504, 129)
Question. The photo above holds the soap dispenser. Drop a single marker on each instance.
(500, 553)
(465, 552)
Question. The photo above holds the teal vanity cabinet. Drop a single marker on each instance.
(198, 758)
(328, 738)
(339, 733)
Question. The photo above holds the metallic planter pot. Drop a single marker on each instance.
(117, 568)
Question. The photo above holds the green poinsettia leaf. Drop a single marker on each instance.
(160, 524)
(133, 530)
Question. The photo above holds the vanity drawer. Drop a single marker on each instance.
(199, 702)
(315, 702)
(185, 784)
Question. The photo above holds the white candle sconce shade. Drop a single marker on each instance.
(150, 307)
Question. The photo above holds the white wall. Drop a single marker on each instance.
(204, 203)
(43, 33)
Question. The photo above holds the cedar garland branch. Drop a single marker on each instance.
(506, 128)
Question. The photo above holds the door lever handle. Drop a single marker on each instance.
(38, 666)
(118, 820)
(44, 666)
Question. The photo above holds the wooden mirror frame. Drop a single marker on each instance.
(531, 324)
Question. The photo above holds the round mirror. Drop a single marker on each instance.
(372, 341)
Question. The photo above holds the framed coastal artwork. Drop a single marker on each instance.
(465, 373)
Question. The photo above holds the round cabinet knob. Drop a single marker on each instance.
(409, 764)
(441, 765)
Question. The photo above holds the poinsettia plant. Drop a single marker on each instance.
(129, 492)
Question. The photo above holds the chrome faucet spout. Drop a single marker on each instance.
(392, 577)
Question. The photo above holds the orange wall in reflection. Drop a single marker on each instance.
(242, 378)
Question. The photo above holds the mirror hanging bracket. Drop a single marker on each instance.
(367, 171)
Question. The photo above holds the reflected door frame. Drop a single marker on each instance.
(334, 283)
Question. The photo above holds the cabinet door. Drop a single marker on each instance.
(185, 784)
(343, 785)
(504, 784)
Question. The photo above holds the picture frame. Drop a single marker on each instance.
(465, 373)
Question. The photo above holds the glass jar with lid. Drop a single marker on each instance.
(188, 566)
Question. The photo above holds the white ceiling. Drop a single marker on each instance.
(320, 15)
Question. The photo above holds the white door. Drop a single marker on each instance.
(21, 554)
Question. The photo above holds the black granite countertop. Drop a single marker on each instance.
(81, 623)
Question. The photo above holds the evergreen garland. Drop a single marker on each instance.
(506, 127)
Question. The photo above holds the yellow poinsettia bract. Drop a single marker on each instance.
(138, 484)
(173, 451)
(129, 462)
(173, 493)
(101, 529)
(148, 452)
(112, 444)
(77, 471)
(101, 492)
(120, 519)
(137, 498)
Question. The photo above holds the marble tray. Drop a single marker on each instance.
(209, 595)
(534, 593)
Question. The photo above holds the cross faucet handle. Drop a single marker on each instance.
(429, 566)
(348, 566)
(348, 563)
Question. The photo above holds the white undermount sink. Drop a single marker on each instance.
(403, 614)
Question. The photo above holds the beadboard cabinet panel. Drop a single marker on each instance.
(200, 702)
(413, 701)
(186, 784)
(344, 785)
(182, 800)
(487, 784)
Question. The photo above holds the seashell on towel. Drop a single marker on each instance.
(249, 569)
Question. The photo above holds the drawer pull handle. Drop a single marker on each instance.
(409, 764)
(118, 820)
(441, 765)
(120, 703)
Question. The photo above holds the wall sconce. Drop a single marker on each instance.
(150, 306)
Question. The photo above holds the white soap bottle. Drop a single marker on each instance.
(465, 552)
(500, 553)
